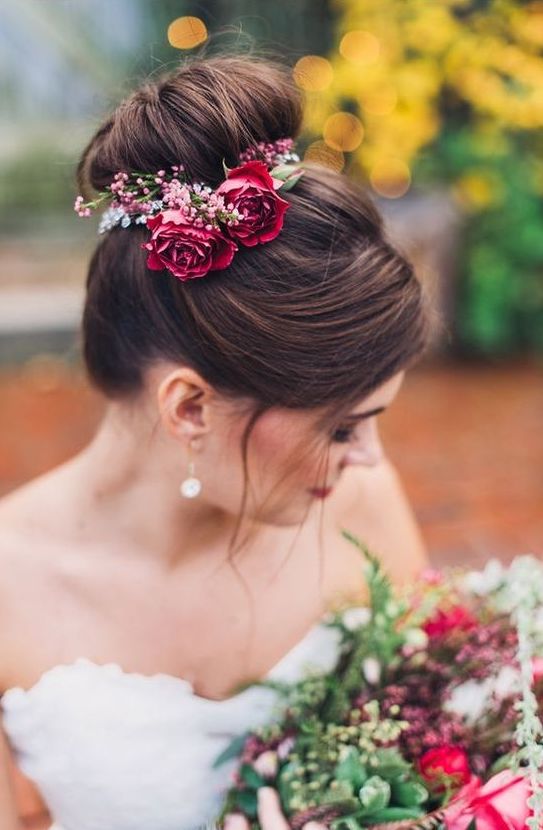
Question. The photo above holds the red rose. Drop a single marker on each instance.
(185, 249)
(251, 190)
(500, 804)
(445, 767)
(455, 618)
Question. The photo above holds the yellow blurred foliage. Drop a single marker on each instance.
(476, 190)
(397, 59)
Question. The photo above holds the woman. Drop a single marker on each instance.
(195, 543)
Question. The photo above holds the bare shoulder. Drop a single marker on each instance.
(23, 572)
(372, 504)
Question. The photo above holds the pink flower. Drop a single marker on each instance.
(431, 576)
(267, 764)
(537, 669)
(185, 249)
(501, 804)
(443, 622)
(445, 766)
(251, 191)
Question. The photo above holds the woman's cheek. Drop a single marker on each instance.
(278, 451)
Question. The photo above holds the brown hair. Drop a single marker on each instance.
(319, 317)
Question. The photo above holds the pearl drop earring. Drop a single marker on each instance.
(191, 486)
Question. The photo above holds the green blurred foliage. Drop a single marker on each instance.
(500, 262)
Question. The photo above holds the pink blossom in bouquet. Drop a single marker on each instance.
(500, 804)
(457, 618)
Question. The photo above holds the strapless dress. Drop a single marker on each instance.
(116, 750)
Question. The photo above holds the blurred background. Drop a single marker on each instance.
(437, 107)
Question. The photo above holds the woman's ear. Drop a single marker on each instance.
(183, 399)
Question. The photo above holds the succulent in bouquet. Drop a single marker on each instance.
(430, 719)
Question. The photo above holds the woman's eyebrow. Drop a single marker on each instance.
(366, 414)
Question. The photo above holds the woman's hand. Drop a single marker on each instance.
(270, 816)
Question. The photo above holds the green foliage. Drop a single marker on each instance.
(500, 261)
(343, 757)
(233, 750)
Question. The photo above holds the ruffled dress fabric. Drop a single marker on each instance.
(116, 750)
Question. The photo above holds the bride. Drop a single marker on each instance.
(194, 544)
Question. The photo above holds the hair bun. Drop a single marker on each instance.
(208, 110)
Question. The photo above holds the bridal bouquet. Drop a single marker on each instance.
(431, 718)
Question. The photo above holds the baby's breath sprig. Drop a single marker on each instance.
(135, 196)
(523, 593)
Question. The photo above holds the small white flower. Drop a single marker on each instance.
(354, 618)
(506, 682)
(485, 581)
(473, 698)
(416, 637)
(469, 700)
(371, 669)
(538, 619)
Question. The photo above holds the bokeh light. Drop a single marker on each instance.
(313, 73)
(390, 177)
(343, 131)
(187, 32)
(360, 47)
(321, 153)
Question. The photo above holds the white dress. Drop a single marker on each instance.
(116, 750)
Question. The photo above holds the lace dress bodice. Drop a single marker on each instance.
(116, 750)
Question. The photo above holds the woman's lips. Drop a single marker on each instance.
(320, 492)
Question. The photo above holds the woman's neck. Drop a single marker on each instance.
(128, 492)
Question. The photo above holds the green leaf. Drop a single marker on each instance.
(374, 795)
(408, 793)
(502, 763)
(251, 777)
(389, 764)
(290, 182)
(226, 169)
(394, 814)
(288, 174)
(246, 801)
(233, 750)
(345, 823)
(350, 769)
(283, 171)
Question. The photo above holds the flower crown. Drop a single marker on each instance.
(195, 228)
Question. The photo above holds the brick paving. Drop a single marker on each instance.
(467, 440)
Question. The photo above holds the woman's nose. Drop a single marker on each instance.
(367, 450)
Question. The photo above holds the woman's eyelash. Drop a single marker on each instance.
(343, 434)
